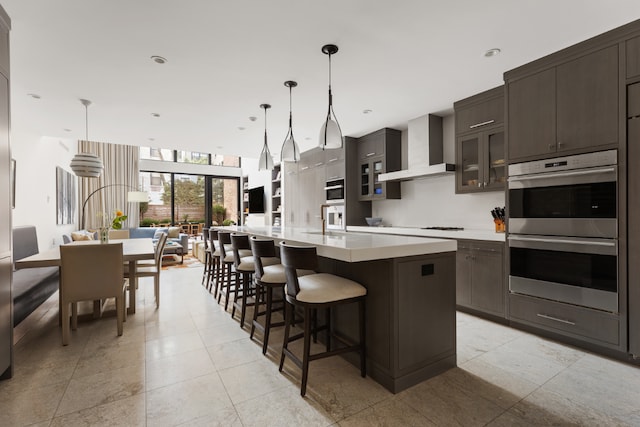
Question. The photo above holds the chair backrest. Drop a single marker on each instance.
(214, 243)
(119, 234)
(159, 249)
(297, 258)
(224, 238)
(261, 248)
(239, 242)
(205, 238)
(91, 272)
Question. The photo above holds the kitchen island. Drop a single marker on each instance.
(411, 299)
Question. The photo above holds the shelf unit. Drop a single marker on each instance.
(276, 196)
(245, 198)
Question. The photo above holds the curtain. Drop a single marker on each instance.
(121, 174)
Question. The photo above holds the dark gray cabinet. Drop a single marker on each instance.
(480, 277)
(633, 221)
(480, 149)
(568, 108)
(378, 153)
(6, 300)
(633, 57)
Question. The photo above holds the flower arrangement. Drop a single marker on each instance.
(118, 219)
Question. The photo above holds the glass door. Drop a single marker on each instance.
(469, 159)
(225, 195)
(496, 167)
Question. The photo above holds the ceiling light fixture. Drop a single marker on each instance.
(86, 165)
(330, 133)
(159, 59)
(367, 111)
(34, 95)
(155, 114)
(265, 162)
(290, 151)
(492, 52)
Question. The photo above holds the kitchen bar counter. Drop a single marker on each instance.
(352, 246)
(411, 298)
(467, 234)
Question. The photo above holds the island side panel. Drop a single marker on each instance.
(410, 316)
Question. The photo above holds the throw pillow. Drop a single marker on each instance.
(81, 235)
(174, 232)
(158, 233)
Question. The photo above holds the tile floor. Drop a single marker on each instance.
(190, 364)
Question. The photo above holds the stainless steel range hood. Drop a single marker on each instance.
(425, 151)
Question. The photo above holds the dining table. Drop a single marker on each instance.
(133, 250)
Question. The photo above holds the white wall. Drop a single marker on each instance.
(433, 202)
(36, 160)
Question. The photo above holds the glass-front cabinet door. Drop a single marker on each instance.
(496, 168)
(364, 180)
(468, 163)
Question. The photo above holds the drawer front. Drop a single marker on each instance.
(598, 327)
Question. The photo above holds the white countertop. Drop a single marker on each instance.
(353, 246)
(471, 234)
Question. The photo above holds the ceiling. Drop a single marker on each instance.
(399, 59)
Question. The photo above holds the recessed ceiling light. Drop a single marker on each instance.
(34, 95)
(219, 147)
(66, 130)
(241, 128)
(492, 52)
(155, 114)
(253, 118)
(367, 111)
(151, 139)
(159, 59)
(308, 138)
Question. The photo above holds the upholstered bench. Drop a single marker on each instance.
(30, 286)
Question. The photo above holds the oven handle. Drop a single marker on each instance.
(594, 171)
(571, 241)
(334, 187)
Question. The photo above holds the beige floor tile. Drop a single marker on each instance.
(92, 390)
(388, 413)
(188, 400)
(251, 380)
(222, 334)
(283, 407)
(172, 345)
(129, 411)
(109, 355)
(234, 353)
(178, 368)
(446, 400)
(29, 406)
(225, 417)
(177, 326)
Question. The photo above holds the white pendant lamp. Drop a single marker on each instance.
(266, 161)
(290, 151)
(86, 165)
(330, 133)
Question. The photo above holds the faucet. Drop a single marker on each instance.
(322, 218)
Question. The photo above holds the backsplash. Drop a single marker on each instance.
(433, 202)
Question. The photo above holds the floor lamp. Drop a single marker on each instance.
(132, 197)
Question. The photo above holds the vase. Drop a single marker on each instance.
(104, 235)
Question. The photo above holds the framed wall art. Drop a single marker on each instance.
(65, 197)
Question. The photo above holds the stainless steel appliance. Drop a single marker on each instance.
(563, 229)
(574, 196)
(335, 191)
(335, 217)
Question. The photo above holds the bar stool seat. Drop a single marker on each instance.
(275, 273)
(324, 288)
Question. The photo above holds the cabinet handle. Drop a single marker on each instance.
(304, 168)
(477, 125)
(319, 164)
(331, 178)
(545, 316)
(552, 146)
(560, 144)
(479, 185)
(335, 159)
(371, 154)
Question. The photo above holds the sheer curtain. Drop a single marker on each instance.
(121, 175)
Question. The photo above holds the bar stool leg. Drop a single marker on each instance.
(306, 351)
(267, 320)
(363, 338)
(288, 308)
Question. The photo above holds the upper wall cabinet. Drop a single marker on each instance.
(565, 109)
(378, 153)
(480, 150)
(633, 57)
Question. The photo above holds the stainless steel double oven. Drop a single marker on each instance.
(563, 229)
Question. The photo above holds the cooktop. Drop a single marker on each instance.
(443, 228)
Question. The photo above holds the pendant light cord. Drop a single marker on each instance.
(86, 122)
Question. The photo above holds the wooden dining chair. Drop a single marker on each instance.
(152, 270)
(118, 234)
(90, 273)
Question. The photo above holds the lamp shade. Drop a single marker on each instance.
(330, 135)
(290, 151)
(87, 165)
(265, 162)
(137, 197)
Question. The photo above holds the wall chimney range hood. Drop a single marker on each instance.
(425, 151)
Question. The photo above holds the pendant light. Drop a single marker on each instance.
(290, 151)
(265, 162)
(86, 165)
(330, 133)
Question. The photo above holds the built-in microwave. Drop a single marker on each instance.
(335, 191)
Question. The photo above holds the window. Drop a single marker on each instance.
(192, 157)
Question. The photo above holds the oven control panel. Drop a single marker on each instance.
(579, 161)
